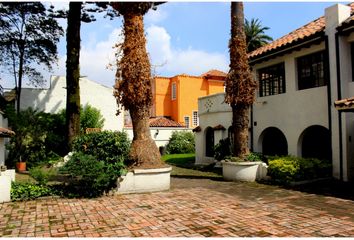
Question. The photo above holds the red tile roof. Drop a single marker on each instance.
(345, 104)
(4, 132)
(214, 73)
(315, 27)
(160, 122)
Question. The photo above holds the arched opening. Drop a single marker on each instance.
(316, 143)
(209, 142)
(274, 142)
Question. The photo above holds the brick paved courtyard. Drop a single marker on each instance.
(192, 208)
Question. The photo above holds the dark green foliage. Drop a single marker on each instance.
(255, 36)
(39, 137)
(97, 163)
(107, 146)
(90, 117)
(181, 142)
(223, 149)
(41, 174)
(256, 157)
(287, 169)
(28, 191)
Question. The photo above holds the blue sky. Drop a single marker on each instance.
(183, 37)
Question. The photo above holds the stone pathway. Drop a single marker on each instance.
(192, 208)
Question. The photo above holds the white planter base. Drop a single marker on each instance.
(243, 171)
(144, 180)
(5, 188)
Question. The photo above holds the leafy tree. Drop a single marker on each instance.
(28, 37)
(240, 85)
(133, 83)
(90, 117)
(255, 36)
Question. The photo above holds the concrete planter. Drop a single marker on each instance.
(5, 188)
(242, 171)
(145, 180)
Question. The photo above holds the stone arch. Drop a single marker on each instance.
(273, 142)
(209, 142)
(315, 142)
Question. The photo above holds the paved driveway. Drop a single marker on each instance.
(192, 208)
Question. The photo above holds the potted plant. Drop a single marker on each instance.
(21, 166)
(249, 169)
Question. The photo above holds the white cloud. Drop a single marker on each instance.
(94, 59)
(155, 16)
(177, 61)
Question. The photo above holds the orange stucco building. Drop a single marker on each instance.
(177, 97)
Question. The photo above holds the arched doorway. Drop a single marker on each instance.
(274, 142)
(316, 143)
(209, 142)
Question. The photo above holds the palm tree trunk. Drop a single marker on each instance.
(73, 72)
(240, 85)
(135, 86)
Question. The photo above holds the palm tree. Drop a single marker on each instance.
(255, 36)
(240, 85)
(133, 84)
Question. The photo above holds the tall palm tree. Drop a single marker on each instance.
(133, 83)
(240, 85)
(255, 36)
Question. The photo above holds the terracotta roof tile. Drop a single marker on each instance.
(197, 129)
(344, 104)
(4, 132)
(159, 122)
(219, 127)
(308, 30)
(214, 73)
(163, 122)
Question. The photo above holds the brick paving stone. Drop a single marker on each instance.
(192, 208)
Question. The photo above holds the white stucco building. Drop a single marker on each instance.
(53, 99)
(300, 76)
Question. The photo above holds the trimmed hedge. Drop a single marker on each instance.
(290, 168)
(181, 142)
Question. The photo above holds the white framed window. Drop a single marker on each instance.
(186, 121)
(173, 91)
(195, 118)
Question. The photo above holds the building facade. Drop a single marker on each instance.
(177, 97)
(53, 99)
(300, 76)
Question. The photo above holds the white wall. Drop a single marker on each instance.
(160, 135)
(54, 99)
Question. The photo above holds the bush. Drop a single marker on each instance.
(287, 169)
(107, 146)
(38, 136)
(89, 176)
(29, 191)
(90, 117)
(181, 142)
(41, 174)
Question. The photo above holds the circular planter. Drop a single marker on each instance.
(145, 180)
(240, 171)
(21, 166)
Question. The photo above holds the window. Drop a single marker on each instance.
(311, 71)
(271, 80)
(195, 118)
(173, 91)
(186, 121)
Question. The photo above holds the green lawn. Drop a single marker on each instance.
(183, 166)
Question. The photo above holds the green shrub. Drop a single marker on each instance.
(181, 142)
(38, 135)
(90, 177)
(29, 191)
(223, 149)
(41, 174)
(110, 147)
(287, 169)
(90, 117)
